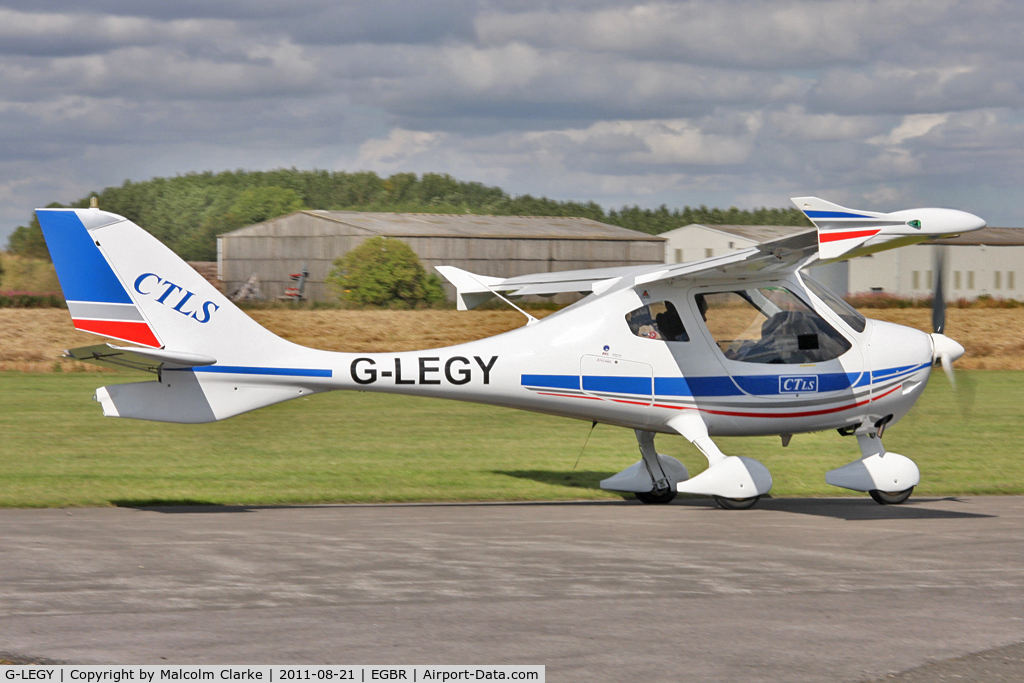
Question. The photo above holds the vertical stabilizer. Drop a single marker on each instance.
(121, 282)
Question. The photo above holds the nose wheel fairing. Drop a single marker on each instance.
(877, 471)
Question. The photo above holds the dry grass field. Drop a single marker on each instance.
(31, 340)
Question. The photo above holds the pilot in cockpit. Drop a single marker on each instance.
(769, 325)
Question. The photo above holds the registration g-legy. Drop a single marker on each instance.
(742, 344)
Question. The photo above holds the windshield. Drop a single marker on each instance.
(848, 313)
(769, 325)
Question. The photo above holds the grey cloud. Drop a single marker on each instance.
(384, 22)
(179, 9)
(427, 86)
(753, 35)
(896, 89)
(703, 101)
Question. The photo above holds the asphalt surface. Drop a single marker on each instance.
(792, 590)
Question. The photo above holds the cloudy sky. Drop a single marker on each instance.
(876, 105)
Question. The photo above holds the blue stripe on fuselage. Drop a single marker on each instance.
(639, 386)
(248, 370)
(761, 385)
(552, 381)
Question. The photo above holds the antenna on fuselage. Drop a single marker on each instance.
(585, 442)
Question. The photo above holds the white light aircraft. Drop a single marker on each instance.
(734, 345)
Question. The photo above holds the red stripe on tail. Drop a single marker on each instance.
(137, 333)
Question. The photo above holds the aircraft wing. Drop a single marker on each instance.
(839, 233)
(134, 358)
(787, 253)
(779, 255)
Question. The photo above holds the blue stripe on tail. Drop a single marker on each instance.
(83, 272)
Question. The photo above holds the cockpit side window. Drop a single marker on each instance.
(848, 313)
(769, 325)
(657, 321)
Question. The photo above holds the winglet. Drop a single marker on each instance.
(845, 233)
(840, 229)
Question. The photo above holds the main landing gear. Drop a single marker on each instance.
(889, 478)
(736, 503)
(886, 498)
(653, 478)
(662, 497)
(736, 483)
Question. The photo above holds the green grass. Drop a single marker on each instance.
(57, 450)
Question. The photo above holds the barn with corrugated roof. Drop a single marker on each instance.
(499, 246)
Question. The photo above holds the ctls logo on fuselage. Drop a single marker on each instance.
(175, 296)
(798, 384)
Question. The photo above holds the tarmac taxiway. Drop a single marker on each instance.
(835, 589)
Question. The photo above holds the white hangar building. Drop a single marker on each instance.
(499, 246)
(989, 261)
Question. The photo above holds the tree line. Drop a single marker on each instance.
(187, 212)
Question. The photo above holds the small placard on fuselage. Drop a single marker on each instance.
(798, 384)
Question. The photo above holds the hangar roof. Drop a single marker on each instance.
(458, 225)
(992, 237)
(754, 233)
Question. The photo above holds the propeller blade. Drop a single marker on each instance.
(939, 296)
(965, 393)
(947, 367)
(945, 351)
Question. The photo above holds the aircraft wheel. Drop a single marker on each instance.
(885, 498)
(736, 503)
(656, 497)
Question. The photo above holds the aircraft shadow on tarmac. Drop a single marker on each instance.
(857, 509)
(850, 509)
(583, 479)
(185, 505)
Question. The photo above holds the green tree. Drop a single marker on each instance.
(254, 205)
(260, 204)
(188, 211)
(384, 272)
(27, 240)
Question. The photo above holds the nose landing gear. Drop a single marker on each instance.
(889, 478)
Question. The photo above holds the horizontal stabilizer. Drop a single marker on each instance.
(471, 290)
(134, 358)
(183, 396)
(474, 289)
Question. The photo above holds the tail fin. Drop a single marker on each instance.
(121, 282)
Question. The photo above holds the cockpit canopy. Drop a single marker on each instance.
(757, 325)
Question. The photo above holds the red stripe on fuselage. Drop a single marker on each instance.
(137, 333)
(836, 236)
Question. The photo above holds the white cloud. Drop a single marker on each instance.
(397, 148)
(911, 126)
